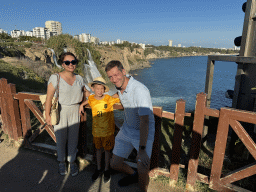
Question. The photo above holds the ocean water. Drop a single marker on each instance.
(183, 78)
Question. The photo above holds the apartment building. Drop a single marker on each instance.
(2, 31)
(85, 38)
(54, 27)
(95, 40)
(41, 32)
(29, 33)
(17, 33)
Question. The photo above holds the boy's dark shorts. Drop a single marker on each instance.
(104, 142)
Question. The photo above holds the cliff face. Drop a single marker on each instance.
(42, 54)
(130, 60)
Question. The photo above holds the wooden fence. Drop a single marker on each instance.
(16, 122)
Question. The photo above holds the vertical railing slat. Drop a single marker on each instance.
(197, 132)
(177, 139)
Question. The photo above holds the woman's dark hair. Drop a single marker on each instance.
(114, 63)
(63, 55)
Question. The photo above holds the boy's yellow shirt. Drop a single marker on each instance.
(103, 123)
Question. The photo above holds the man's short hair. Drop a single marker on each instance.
(114, 63)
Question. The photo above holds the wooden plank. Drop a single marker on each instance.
(26, 95)
(25, 117)
(177, 138)
(202, 178)
(168, 115)
(209, 80)
(3, 106)
(244, 136)
(219, 150)
(239, 73)
(241, 115)
(42, 147)
(36, 133)
(156, 145)
(239, 174)
(15, 115)
(231, 187)
(198, 126)
(248, 38)
(31, 105)
(233, 58)
(212, 112)
(159, 171)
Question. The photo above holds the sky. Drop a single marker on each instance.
(205, 23)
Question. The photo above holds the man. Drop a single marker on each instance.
(138, 128)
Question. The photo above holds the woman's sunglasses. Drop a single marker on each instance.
(74, 62)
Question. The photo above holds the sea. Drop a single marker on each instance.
(183, 78)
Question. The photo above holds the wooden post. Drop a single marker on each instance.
(4, 108)
(10, 110)
(208, 90)
(177, 138)
(219, 150)
(15, 113)
(156, 147)
(25, 117)
(198, 126)
(209, 80)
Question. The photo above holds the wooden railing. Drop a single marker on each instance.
(16, 107)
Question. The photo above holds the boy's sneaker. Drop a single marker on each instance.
(62, 169)
(106, 176)
(73, 169)
(96, 174)
(128, 180)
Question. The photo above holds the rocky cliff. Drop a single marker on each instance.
(130, 60)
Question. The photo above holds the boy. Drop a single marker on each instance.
(103, 124)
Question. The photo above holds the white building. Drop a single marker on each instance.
(29, 33)
(17, 33)
(41, 32)
(2, 31)
(118, 41)
(104, 42)
(142, 45)
(95, 40)
(170, 43)
(179, 45)
(54, 27)
(236, 48)
(85, 38)
(76, 37)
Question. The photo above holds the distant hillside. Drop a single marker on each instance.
(22, 62)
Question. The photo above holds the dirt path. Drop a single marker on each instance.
(26, 170)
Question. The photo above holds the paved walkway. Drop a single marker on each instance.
(26, 170)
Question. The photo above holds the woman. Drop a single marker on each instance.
(71, 88)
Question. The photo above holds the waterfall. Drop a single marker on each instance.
(91, 72)
(54, 58)
(92, 67)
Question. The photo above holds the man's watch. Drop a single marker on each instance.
(142, 147)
